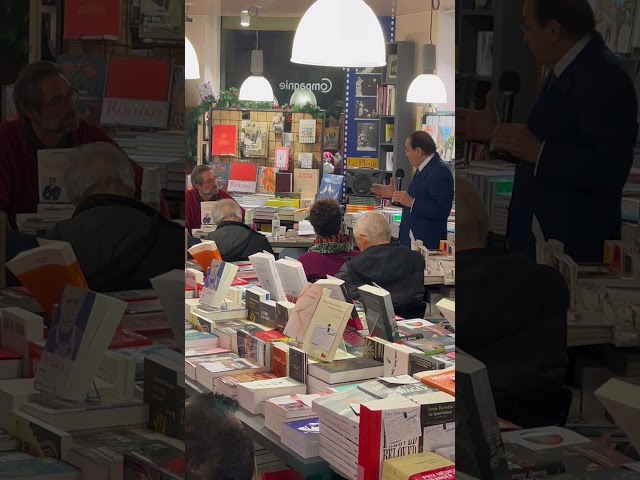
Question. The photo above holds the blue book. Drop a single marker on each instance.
(331, 187)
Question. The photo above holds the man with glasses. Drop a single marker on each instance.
(205, 189)
(48, 119)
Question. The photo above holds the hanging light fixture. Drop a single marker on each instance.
(344, 47)
(191, 66)
(428, 87)
(245, 19)
(256, 88)
(302, 96)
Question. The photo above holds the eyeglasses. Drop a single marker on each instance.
(62, 100)
(209, 182)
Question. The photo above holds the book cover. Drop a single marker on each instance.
(52, 165)
(297, 366)
(163, 21)
(279, 359)
(305, 160)
(92, 19)
(217, 283)
(282, 159)
(443, 380)
(221, 170)
(332, 138)
(284, 182)
(242, 178)
(307, 131)
(224, 140)
(164, 393)
(266, 182)
(253, 298)
(305, 182)
(264, 265)
(143, 103)
(256, 139)
(293, 277)
(331, 187)
(380, 389)
(176, 101)
(86, 75)
(302, 314)
(283, 312)
(421, 466)
(374, 348)
(19, 327)
(45, 271)
(82, 328)
(379, 313)
(267, 313)
(347, 370)
(324, 333)
(37, 437)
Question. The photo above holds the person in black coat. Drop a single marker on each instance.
(512, 316)
(120, 243)
(235, 240)
(575, 152)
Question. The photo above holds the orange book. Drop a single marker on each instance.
(46, 270)
(224, 140)
(204, 253)
(443, 380)
(87, 19)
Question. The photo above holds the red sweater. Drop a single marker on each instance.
(193, 210)
(19, 164)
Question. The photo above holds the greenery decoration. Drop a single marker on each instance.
(229, 99)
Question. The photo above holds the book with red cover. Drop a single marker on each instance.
(284, 182)
(87, 19)
(443, 380)
(124, 338)
(224, 140)
(137, 92)
(242, 178)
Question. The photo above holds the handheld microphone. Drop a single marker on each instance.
(509, 87)
(399, 178)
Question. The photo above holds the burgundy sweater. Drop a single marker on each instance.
(193, 210)
(319, 265)
(19, 164)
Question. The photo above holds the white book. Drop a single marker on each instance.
(293, 277)
(396, 359)
(19, 327)
(14, 393)
(83, 326)
(324, 333)
(264, 265)
(52, 165)
(252, 394)
(622, 400)
(206, 213)
(448, 309)
(302, 313)
(193, 277)
(217, 283)
(169, 287)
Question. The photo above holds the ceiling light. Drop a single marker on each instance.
(427, 87)
(191, 66)
(356, 38)
(256, 88)
(245, 19)
(302, 96)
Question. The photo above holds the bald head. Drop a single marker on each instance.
(226, 210)
(471, 216)
(372, 229)
(98, 168)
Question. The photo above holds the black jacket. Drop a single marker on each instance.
(512, 316)
(397, 269)
(576, 192)
(121, 243)
(236, 241)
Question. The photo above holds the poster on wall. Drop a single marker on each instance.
(367, 137)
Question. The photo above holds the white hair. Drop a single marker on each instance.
(374, 226)
(98, 167)
(225, 209)
(471, 216)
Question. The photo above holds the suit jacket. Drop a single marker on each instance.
(432, 189)
(588, 119)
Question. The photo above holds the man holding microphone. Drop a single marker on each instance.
(426, 204)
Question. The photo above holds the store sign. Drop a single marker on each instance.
(324, 86)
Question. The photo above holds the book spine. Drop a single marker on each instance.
(370, 446)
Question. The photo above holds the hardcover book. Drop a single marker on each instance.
(298, 363)
(92, 19)
(266, 182)
(379, 313)
(307, 131)
(331, 187)
(224, 140)
(256, 139)
(86, 75)
(242, 178)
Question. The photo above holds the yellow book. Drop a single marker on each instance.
(420, 465)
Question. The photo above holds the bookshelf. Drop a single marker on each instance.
(401, 117)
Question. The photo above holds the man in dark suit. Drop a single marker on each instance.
(427, 202)
(576, 150)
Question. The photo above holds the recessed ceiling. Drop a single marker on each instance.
(296, 8)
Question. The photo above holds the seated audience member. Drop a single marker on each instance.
(513, 318)
(218, 446)
(205, 189)
(397, 269)
(120, 242)
(331, 248)
(45, 103)
(235, 240)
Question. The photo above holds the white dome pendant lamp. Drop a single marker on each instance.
(256, 88)
(428, 87)
(191, 66)
(347, 46)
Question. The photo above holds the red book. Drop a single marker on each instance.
(224, 140)
(242, 178)
(125, 338)
(85, 19)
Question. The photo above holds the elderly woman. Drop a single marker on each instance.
(331, 248)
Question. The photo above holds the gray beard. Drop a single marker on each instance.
(65, 126)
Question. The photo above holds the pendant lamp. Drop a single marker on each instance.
(256, 88)
(191, 66)
(355, 38)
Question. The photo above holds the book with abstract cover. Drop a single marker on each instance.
(84, 323)
(266, 182)
(445, 142)
(256, 139)
(221, 170)
(224, 140)
(331, 187)
(87, 75)
(242, 177)
(176, 102)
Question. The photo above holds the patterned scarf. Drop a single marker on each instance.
(332, 244)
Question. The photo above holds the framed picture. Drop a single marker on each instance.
(392, 68)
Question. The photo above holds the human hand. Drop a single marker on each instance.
(383, 191)
(403, 198)
(477, 125)
(516, 139)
